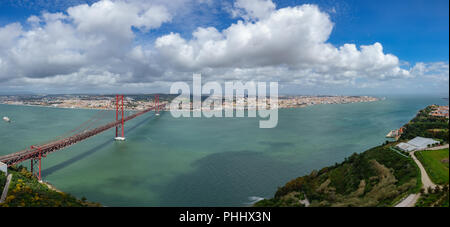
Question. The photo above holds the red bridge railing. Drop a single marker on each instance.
(37, 152)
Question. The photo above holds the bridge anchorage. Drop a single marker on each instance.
(85, 131)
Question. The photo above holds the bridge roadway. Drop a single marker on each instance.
(43, 150)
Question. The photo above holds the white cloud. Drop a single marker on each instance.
(9, 34)
(253, 9)
(94, 46)
(116, 18)
(87, 36)
(293, 37)
(436, 71)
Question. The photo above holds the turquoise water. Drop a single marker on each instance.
(201, 162)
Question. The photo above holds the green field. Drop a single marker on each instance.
(435, 164)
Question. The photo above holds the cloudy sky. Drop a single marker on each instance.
(143, 46)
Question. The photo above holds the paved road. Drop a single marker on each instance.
(426, 181)
(437, 148)
(5, 189)
(409, 201)
(305, 201)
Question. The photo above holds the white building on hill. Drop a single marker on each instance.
(418, 143)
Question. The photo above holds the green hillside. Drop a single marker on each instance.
(2, 181)
(26, 191)
(380, 176)
(377, 177)
(427, 126)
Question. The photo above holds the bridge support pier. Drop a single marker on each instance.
(117, 114)
(119, 111)
(36, 153)
(38, 162)
(157, 105)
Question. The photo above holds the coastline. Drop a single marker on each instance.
(192, 110)
(25, 190)
(408, 198)
(74, 108)
(57, 107)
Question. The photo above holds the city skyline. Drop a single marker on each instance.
(309, 47)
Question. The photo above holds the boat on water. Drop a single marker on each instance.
(7, 119)
(119, 139)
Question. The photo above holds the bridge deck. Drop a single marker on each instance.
(18, 157)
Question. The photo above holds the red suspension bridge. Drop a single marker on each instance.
(36, 153)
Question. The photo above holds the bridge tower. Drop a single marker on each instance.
(37, 161)
(119, 111)
(157, 105)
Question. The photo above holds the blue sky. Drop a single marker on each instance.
(415, 31)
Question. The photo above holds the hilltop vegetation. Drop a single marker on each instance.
(381, 176)
(26, 191)
(438, 197)
(376, 177)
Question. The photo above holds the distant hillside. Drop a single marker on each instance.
(427, 126)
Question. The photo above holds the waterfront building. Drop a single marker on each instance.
(418, 143)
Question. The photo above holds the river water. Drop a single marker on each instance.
(201, 162)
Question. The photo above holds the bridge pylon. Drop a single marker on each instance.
(119, 111)
(37, 161)
(36, 153)
(157, 105)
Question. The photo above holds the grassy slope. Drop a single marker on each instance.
(2, 181)
(26, 191)
(376, 177)
(434, 165)
(432, 127)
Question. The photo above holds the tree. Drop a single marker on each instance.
(437, 189)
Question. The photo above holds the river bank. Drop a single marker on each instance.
(380, 176)
(170, 161)
(26, 191)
